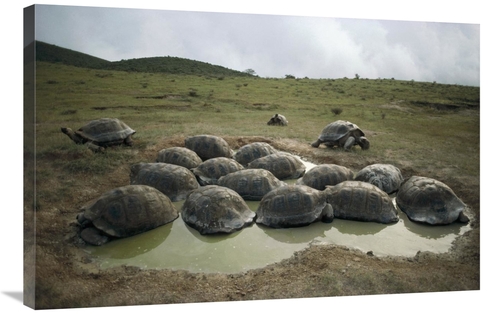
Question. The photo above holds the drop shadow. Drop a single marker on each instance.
(16, 295)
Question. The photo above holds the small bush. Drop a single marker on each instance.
(336, 111)
(69, 111)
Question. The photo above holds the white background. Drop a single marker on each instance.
(481, 12)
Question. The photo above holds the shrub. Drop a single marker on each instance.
(69, 111)
(336, 111)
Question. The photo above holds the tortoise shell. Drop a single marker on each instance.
(386, 177)
(293, 206)
(216, 209)
(252, 151)
(283, 165)
(172, 180)
(208, 146)
(430, 201)
(343, 134)
(209, 171)
(338, 129)
(105, 132)
(320, 176)
(362, 201)
(278, 119)
(124, 212)
(251, 184)
(181, 156)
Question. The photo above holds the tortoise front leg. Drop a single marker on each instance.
(316, 144)
(349, 143)
(95, 148)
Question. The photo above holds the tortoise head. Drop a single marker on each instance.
(364, 143)
(73, 135)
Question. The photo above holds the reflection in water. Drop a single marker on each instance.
(177, 246)
(212, 238)
(134, 246)
(297, 235)
(359, 227)
(431, 232)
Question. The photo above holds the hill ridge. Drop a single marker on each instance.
(46, 52)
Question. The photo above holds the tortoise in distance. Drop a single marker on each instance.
(278, 119)
(101, 133)
(124, 212)
(216, 209)
(342, 134)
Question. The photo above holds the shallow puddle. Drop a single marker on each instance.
(178, 246)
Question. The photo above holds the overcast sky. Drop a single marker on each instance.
(272, 45)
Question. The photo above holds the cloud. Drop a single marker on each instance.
(272, 45)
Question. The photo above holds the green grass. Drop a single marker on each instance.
(398, 114)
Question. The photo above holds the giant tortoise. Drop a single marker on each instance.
(174, 181)
(430, 201)
(209, 171)
(386, 177)
(362, 201)
(208, 146)
(216, 209)
(101, 133)
(251, 184)
(249, 152)
(293, 206)
(278, 119)
(322, 175)
(181, 156)
(283, 165)
(342, 134)
(123, 212)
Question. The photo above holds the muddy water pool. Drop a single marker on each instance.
(178, 246)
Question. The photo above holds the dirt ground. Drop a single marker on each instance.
(67, 277)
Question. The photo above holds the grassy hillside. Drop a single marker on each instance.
(407, 118)
(172, 65)
(52, 53)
